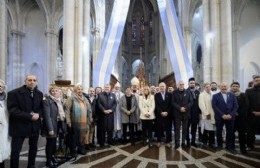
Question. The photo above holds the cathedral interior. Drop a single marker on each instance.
(62, 40)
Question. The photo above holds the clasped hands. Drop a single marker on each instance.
(108, 111)
(35, 116)
(164, 114)
(227, 117)
(183, 109)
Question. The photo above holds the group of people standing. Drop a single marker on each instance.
(107, 115)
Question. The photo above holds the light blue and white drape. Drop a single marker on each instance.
(178, 54)
(108, 54)
(175, 43)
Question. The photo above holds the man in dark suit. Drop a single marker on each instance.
(163, 114)
(240, 116)
(107, 106)
(253, 96)
(225, 106)
(182, 102)
(195, 112)
(25, 108)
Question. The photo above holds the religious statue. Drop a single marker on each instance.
(141, 76)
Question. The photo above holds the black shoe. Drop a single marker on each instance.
(233, 151)
(183, 146)
(50, 165)
(177, 146)
(212, 146)
(243, 151)
(111, 143)
(194, 145)
(87, 147)
(82, 152)
(150, 144)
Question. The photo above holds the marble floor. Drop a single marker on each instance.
(139, 156)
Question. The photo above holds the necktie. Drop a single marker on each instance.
(31, 93)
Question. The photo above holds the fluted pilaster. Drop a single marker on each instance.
(226, 41)
(68, 43)
(3, 43)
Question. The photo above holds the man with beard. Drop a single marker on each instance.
(225, 106)
(214, 88)
(117, 114)
(107, 106)
(253, 96)
(194, 114)
(240, 116)
(152, 90)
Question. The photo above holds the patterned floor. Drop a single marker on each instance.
(139, 156)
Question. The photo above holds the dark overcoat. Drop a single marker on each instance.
(50, 112)
(106, 101)
(20, 106)
(181, 99)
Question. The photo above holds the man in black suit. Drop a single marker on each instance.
(25, 108)
(163, 115)
(182, 102)
(107, 106)
(194, 113)
(253, 96)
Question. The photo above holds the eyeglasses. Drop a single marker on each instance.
(30, 80)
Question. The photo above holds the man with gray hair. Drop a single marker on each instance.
(163, 115)
(107, 106)
(182, 102)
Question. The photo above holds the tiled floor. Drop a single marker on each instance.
(139, 156)
(143, 157)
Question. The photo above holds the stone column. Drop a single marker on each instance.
(235, 58)
(216, 43)
(68, 43)
(52, 41)
(79, 40)
(207, 43)
(187, 36)
(3, 41)
(86, 46)
(15, 59)
(226, 41)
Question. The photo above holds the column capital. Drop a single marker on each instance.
(18, 33)
(50, 32)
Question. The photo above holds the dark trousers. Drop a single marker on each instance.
(229, 133)
(192, 129)
(102, 137)
(180, 121)
(253, 125)
(164, 124)
(208, 137)
(2, 164)
(75, 140)
(147, 127)
(240, 126)
(16, 146)
(131, 131)
(50, 148)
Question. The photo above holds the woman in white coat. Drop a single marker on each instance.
(147, 106)
(208, 119)
(4, 138)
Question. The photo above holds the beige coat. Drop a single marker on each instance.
(147, 106)
(205, 106)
